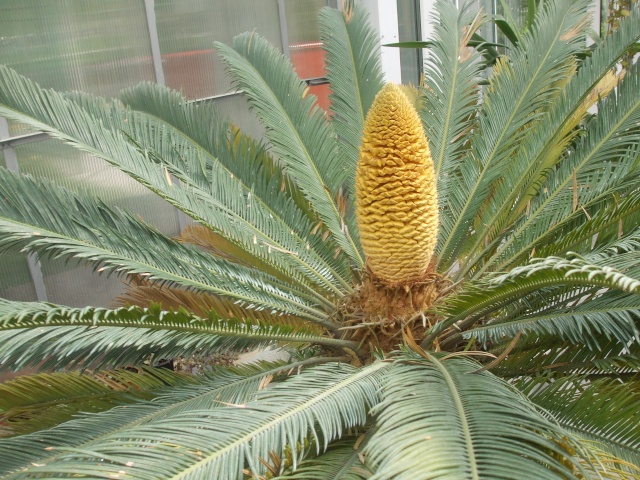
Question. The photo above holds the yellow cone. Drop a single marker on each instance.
(397, 201)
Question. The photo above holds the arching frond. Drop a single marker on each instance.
(224, 387)
(602, 164)
(520, 88)
(217, 199)
(232, 172)
(547, 143)
(538, 354)
(598, 231)
(458, 425)
(48, 220)
(451, 94)
(612, 315)
(604, 411)
(202, 304)
(343, 460)
(30, 332)
(219, 442)
(477, 299)
(297, 130)
(35, 402)
(353, 69)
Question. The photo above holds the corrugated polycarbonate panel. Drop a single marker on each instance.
(236, 109)
(187, 30)
(18, 129)
(15, 280)
(302, 21)
(99, 46)
(305, 49)
(76, 285)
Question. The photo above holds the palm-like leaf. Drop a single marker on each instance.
(547, 143)
(223, 388)
(537, 267)
(342, 461)
(327, 400)
(518, 90)
(232, 171)
(109, 239)
(452, 75)
(303, 140)
(457, 415)
(355, 75)
(606, 159)
(478, 300)
(127, 335)
(36, 402)
(604, 411)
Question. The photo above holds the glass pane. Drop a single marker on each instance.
(187, 30)
(15, 280)
(409, 31)
(17, 129)
(98, 47)
(302, 21)
(2, 159)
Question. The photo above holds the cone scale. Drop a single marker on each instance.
(396, 196)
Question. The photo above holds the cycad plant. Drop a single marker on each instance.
(453, 269)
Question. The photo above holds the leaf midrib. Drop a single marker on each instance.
(558, 190)
(498, 142)
(462, 416)
(310, 163)
(279, 418)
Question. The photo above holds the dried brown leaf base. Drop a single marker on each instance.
(376, 313)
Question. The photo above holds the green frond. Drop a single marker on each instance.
(478, 299)
(452, 73)
(30, 332)
(445, 422)
(521, 87)
(202, 304)
(246, 158)
(35, 402)
(233, 173)
(41, 218)
(341, 461)
(539, 354)
(604, 411)
(603, 163)
(219, 442)
(297, 130)
(352, 62)
(219, 201)
(354, 72)
(612, 315)
(223, 387)
(577, 235)
(547, 143)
